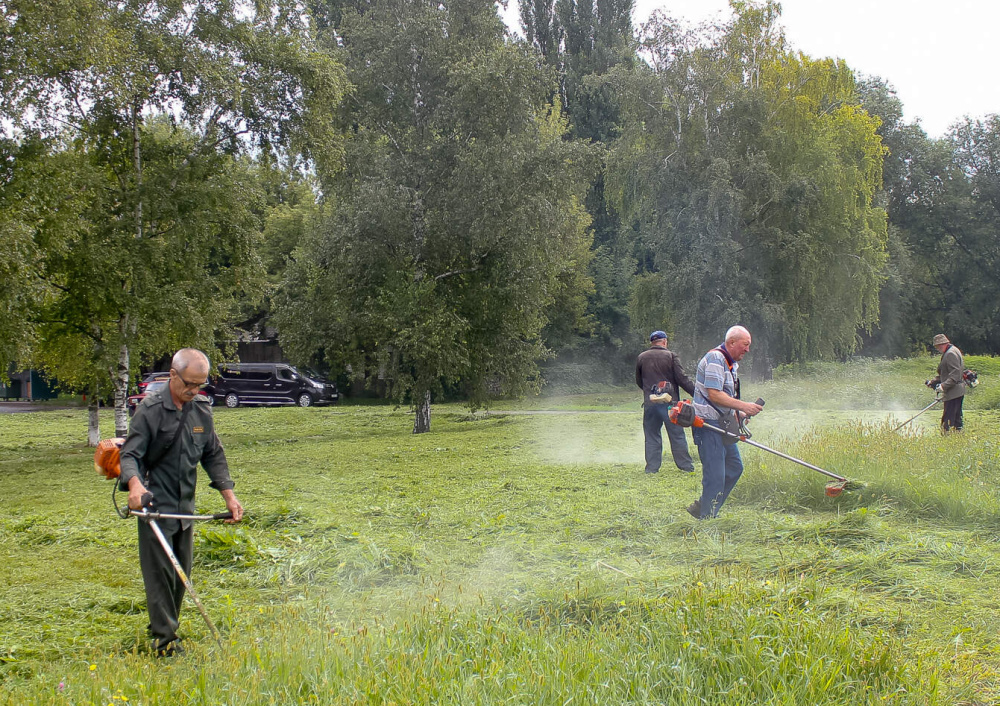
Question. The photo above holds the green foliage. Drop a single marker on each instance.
(38, 192)
(749, 174)
(943, 216)
(592, 46)
(288, 211)
(177, 283)
(231, 71)
(955, 235)
(458, 222)
(140, 110)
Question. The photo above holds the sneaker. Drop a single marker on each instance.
(656, 471)
(695, 509)
(687, 470)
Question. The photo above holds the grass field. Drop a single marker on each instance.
(510, 558)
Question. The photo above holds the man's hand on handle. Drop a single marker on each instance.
(750, 409)
(136, 490)
(233, 505)
(721, 399)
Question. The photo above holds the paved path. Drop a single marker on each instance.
(15, 407)
(498, 412)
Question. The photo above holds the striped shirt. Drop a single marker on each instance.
(713, 374)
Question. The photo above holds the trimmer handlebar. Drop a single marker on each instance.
(683, 414)
(148, 514)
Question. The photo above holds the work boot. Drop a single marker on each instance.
(173, 648)
(694, 509)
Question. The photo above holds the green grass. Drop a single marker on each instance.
(509, 558)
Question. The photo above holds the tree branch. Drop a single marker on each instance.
(202, 145)
(72, 326)
(443, 275)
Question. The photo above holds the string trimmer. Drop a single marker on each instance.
(107, 463)
(150, 518)
(683, 414)
(917, 414)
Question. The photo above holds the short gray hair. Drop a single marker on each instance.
(185, 356)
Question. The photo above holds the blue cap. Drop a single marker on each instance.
(656, 335)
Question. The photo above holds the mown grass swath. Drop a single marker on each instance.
(510, 558)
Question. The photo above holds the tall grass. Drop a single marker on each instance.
(952, 478)
(520, 559)
(725, 639)
(869, 383)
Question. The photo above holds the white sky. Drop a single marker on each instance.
(941, 56)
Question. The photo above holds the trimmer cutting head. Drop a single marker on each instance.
(835, 488)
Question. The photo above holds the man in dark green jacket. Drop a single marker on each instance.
(171, 432)
(951, 382)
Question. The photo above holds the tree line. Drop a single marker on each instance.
(406, 190)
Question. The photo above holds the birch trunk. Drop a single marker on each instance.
(121, 385)
(422, 421)
(93, 417)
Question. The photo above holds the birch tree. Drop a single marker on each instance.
(212, 80)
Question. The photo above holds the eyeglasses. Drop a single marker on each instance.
(192, 385)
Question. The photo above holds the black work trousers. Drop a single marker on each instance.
(164, 588)
(952, 417)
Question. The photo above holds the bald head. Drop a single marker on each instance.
(737, 342)
(736, 333)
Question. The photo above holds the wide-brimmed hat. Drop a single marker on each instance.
(657, 335)
(941, 340)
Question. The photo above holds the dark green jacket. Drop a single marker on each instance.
(172, 480)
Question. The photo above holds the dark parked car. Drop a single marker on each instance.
(269, 384)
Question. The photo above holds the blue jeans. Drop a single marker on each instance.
(721, 467)
(654, 417)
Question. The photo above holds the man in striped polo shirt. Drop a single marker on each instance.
(717, 395)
